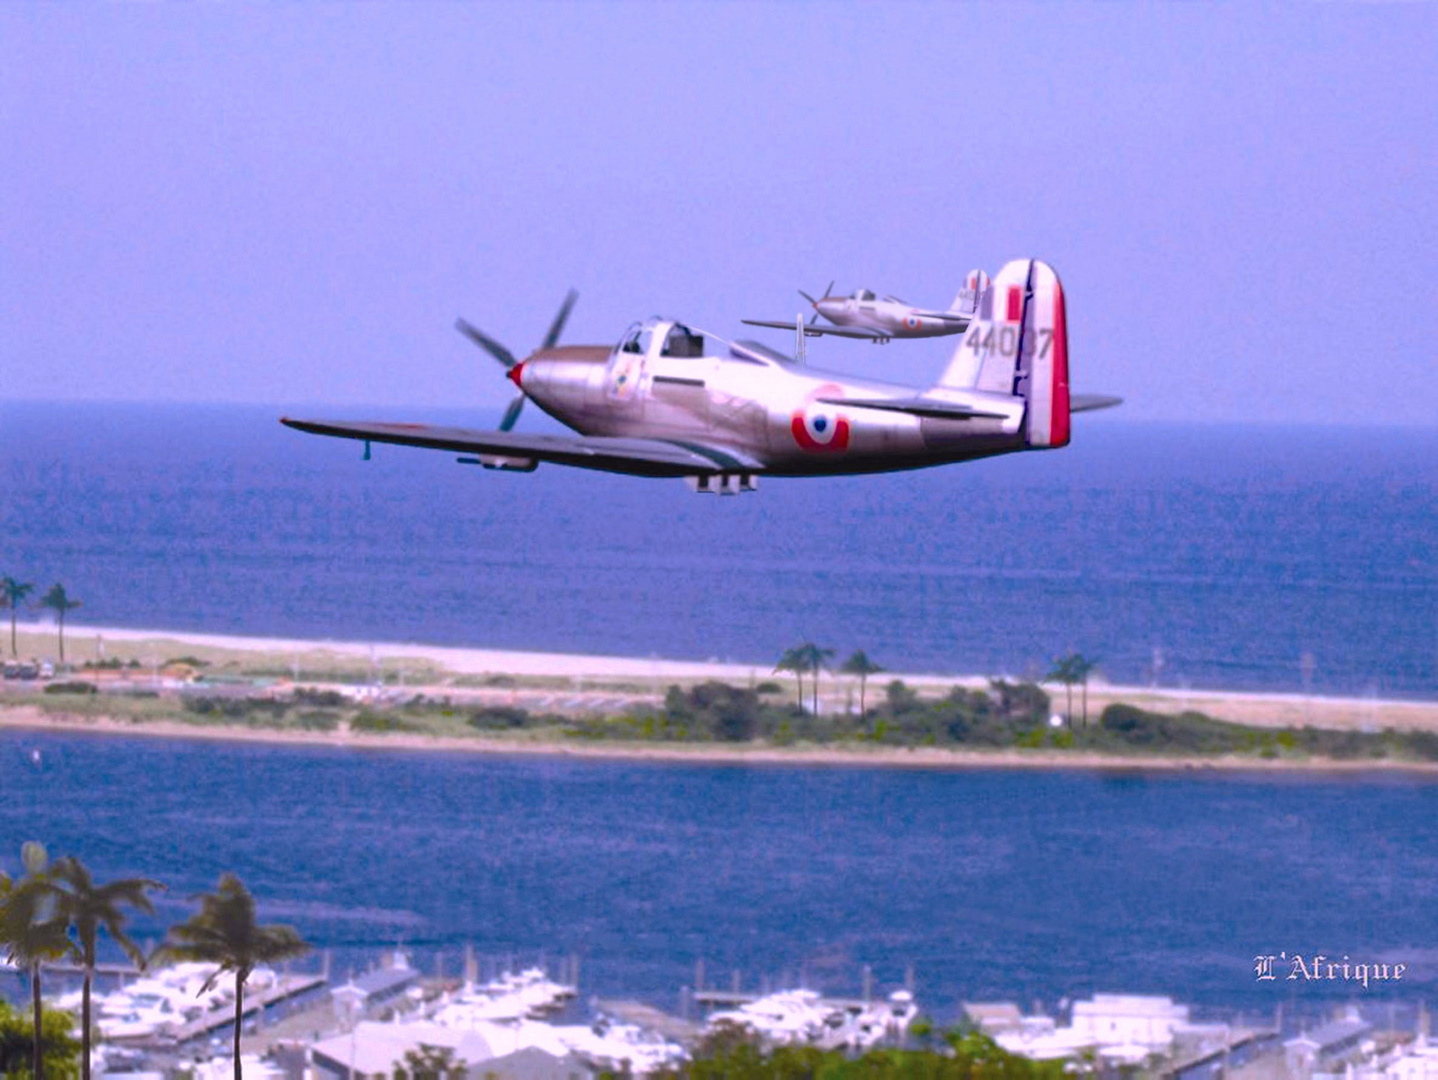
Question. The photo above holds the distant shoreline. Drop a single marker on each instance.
(543, 682)
(462, 660)
(26, 718)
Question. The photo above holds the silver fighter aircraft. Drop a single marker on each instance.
(671, 401)
(871, 318)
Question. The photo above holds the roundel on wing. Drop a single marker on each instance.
(819, 426)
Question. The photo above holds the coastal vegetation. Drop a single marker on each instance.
(862, 667)
(56, 911)
(1004, 716)
(60, 602)
(12, 593)
(228, 690)
(87, 908)
(1069, 669)
(33, 932)
(225, 932)
(60, 1050)
(732, 1053)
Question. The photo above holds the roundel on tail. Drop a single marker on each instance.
(818, 426)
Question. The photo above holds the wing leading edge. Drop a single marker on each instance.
(635, 457)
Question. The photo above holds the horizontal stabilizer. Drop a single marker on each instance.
(1090, 402)
(918, 406)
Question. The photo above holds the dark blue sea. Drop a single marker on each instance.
(1004, 885)
(1229, 553)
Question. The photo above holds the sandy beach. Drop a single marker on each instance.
(437, 670)
(433, 668)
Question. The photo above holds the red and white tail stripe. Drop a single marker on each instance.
(1018, 345)
(1047, 416)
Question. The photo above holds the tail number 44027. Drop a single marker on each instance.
(986, 339)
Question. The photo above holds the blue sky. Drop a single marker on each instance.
(292, 203)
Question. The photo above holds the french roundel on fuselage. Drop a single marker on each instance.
(819, 426)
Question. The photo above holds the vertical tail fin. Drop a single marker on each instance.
(976, 282)
(1018, 345)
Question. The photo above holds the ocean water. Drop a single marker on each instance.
(1233, 550)
(1229, 553)
(988, 884)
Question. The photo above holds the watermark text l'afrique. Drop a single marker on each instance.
(1319, 968)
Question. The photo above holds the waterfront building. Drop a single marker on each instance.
(1416, 1062)
(1327, 1044)
(1129, 1019)
(993, 1017)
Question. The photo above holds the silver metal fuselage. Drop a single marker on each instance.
(789, 420)
(889, 317)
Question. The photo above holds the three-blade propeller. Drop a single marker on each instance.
(814, 303)
(505, 357)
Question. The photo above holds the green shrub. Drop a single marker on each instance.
(498, 718)
(318, 720)
(248, 709)
(381, 722)
(321, 699)
(75, 686)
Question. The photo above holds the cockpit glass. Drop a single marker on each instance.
(683, 342)
(865, 294)
(636, 340)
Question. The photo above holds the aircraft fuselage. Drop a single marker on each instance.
(890, 318)
(789, 418)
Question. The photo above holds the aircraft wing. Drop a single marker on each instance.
(1089, 402)
(816, 330)
(516, 450)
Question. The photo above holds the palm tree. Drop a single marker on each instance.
(815, 658)
(859, 664)
(224, 932)
(796, 661)
(32, 929)
(1066, 671)
(60, 602)
(426, 1062)
(89, 907)
(1082, 666)
(11, 593)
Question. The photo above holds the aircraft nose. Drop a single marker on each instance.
(516, 374)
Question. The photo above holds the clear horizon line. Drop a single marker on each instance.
(498, 406)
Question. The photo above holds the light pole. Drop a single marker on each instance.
(349, 1006)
